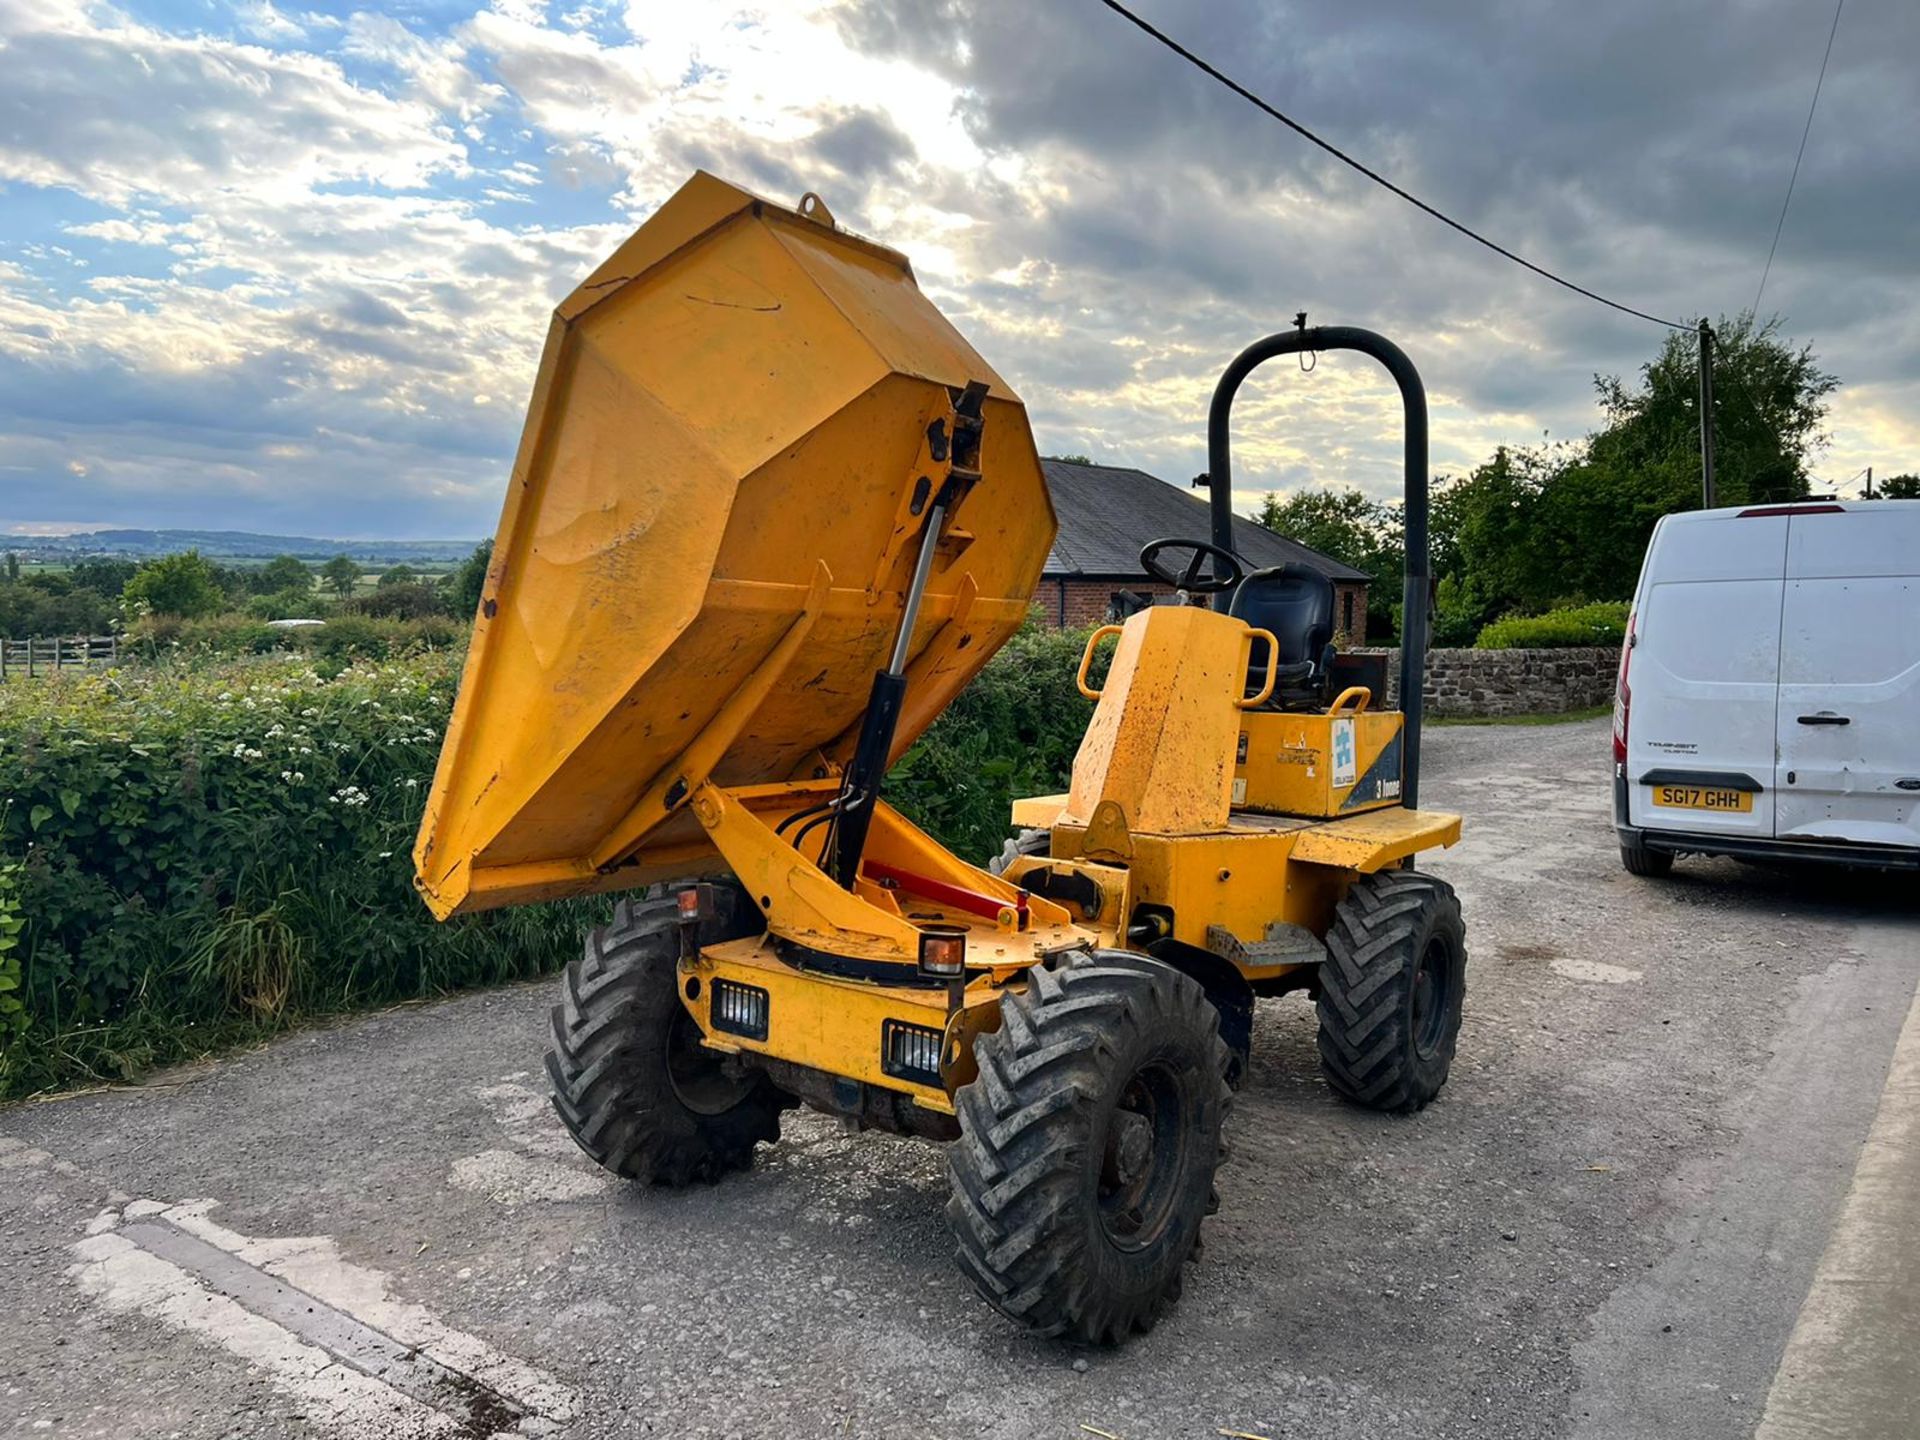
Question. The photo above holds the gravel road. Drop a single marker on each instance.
(1604, 1228)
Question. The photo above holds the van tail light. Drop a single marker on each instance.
(1623, 691)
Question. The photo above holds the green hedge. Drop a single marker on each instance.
(345, 635)
(196, 854)
(1603, 623)
(1013, 732)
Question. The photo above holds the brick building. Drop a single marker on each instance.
(1107, 513)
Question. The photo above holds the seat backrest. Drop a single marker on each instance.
(1295, 602)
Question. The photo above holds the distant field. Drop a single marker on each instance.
(238, 548)
(430, 572)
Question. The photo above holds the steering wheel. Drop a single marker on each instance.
(1226, 570)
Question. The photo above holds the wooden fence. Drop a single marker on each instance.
(44, 654)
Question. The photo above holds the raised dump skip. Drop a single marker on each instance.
(711, 525)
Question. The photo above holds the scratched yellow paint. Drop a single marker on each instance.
(1285, 762)
(1161, 742)
(732, 406)
(1218, 815)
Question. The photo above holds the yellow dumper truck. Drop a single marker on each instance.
(769, 515)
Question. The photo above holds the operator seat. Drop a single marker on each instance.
(1295, 603)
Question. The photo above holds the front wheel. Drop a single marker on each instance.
(1088, 1146)
(631, 1081)
(1391, 990)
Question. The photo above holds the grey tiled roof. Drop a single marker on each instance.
(1107, 513)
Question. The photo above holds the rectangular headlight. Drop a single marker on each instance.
(739, 1009)
(911, 1052)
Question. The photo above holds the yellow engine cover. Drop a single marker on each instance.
(1317, 765)
(1158, 754)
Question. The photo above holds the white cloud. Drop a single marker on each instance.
(437, 69)
(126, 232)
(143, 112)
(359, 234)
(260, 20)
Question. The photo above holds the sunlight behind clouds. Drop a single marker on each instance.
(282, 269)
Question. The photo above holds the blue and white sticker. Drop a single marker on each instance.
(1346, 763)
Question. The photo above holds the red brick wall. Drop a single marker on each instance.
(1072, 604)
(1349, 613)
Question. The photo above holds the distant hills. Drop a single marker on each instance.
(231, 545)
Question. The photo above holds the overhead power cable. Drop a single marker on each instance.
(1374, 175)
(1799, 155)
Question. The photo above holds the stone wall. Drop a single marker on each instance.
(1511, 682)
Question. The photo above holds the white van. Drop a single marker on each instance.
(1769, 695)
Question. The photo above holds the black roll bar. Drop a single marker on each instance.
(1413, 397)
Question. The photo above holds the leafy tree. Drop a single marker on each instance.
(404, 600)
(182, 585)
(466, 582)
(1898, 487)
(282, 574)
(33, 608)
(341, 575)
(1344, 524)
(235, 583)
(1456, 617)
(13, 566)
(398, 575)
(295, 604)
(102, 575)
(1538, 528)
(1770, 400)
(50, 582)
(1353, 529)
(1071, 459)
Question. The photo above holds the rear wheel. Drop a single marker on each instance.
(1391, 990)
(1020, 844)
(631, 1081)
(1639, 860)
(1088, 1146)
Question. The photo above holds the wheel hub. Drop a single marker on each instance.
(701, 1079)
(1140, 1159)
(1432, 984)
(1129, 1147)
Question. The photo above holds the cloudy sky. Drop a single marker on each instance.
(287, 269)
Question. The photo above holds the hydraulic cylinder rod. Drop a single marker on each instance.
(860, 787)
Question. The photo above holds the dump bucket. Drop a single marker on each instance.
(709, 532)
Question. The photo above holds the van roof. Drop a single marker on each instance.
(1818, 504)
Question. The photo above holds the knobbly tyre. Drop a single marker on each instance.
(769, 515)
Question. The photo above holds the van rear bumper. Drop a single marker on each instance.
(1754, 847)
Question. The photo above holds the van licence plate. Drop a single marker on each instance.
(1702, 797)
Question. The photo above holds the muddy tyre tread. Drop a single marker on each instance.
(1018, 846)
(606, 1060)
(1019, 1170)
(1364, 1007)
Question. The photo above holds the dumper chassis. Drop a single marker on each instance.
(840, 511)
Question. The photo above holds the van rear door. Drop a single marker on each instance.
(1704, 674)
(1849, 746)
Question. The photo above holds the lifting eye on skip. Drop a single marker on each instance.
(751, 551)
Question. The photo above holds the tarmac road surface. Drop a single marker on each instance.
(1670, 1155)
